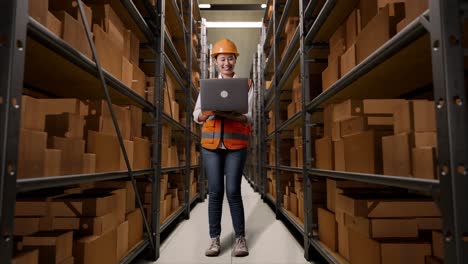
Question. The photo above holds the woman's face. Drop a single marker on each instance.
(226, 64)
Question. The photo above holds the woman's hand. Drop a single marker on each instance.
(233, 116)
(203, 116)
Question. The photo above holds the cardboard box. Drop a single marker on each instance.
(348, 60)
(26, 257)
(353, 126)
(60, 106)
(96, 249)
(38, 10)
(403, 121)
(401, 25)
(424, 116)
(378, 31)
(425, 139)
(429, 223)
(336, 131)
(142, 154)
(110, 54)
(375, 207)
(54, 24)
(415, 8)
(107, 150)
(291, 109)
(438, 244)
(127, 185)
(380, 121)
(53, 162)
(73, 33)
(32, 207)
(337, 43)
(368, 10)
(366, 251)
(328, 229)
(66, 125)
(383, 228)
(89, 163)
(433, 260)
(293, 203)
(363, 153)
(136, 122)
(347, 109)
(324, 154)
(132, 46)
(328, 120)
(293, 155)
(343, 241)
(175, 111)
(397, 155)
(87, 226)
(353, 27)
(339, 156)
(54, 246)
(331, 74)
(72, 154)
(381, 106)
(32, 145)
(83, 205)
(122, 240)
(424, 163)
(29, 225)
(32, 113)
(135, 228)
(139, 81)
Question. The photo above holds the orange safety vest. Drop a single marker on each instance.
(234, 134)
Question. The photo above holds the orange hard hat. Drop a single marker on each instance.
(224, 46)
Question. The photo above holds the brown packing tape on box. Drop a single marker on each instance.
(26, 257)
(96, 249)
(32, 145)
(54, 246)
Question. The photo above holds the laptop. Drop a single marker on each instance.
(229, 95)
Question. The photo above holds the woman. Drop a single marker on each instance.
(224, 150)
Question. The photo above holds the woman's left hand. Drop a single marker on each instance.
(233, 116)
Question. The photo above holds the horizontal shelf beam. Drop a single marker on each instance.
(291, 169)
(283, 19)
(323, 252)
(290, 121)
(296, 225)
(59, 46)
(409, 34)
(289, 50)
(23, 185)
(287, 74)
(394, 181)
(138, 18)
(135, 252)
(171, 219)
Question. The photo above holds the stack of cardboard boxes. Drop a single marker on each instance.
(68, 136)
(193, 184)
(116, 46)
(380, 136)
(366, 29)
(78, 225)
(272, 154)
(171, 107)
(271, 124)
(370, 224)
(297, 156)
(290, 28)
(296, 104)
(293, 197)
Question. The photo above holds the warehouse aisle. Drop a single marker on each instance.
(268, 239)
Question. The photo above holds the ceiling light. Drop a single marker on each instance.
(263, 5)
(233, 24)
(204, 6)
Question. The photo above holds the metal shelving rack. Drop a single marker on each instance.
(16, 26)
(442, 23)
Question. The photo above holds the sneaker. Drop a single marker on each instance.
(215, 247)
(240, 249)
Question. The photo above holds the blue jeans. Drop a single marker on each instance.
(218, 163)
